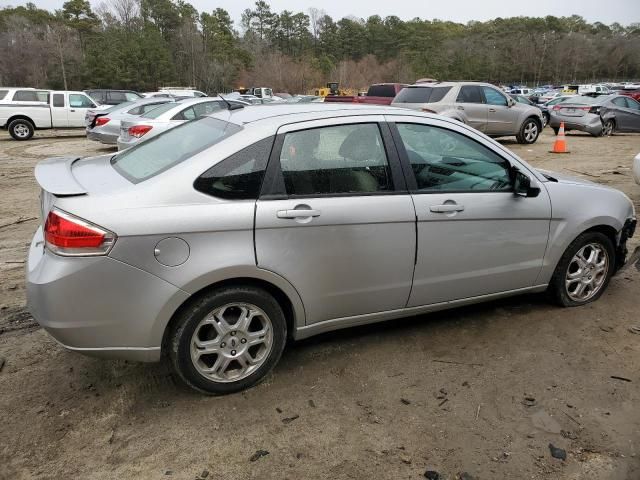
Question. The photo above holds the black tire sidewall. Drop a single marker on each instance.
(20, 121)
(521, 136)
(557, 283)
(180, 343)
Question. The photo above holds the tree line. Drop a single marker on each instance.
(147, 44)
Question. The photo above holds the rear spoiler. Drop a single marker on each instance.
(55, 176)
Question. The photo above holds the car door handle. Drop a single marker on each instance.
(302, 213)
(492, 109)
(460, 107)
(447, 207)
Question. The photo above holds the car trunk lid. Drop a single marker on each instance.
(74, 177)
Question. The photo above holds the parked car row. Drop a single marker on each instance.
(598, 116)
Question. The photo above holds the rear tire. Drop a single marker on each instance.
(574, 272)
(21, 129)
(608, 128)
(228, 340)
(545, 119)
(529, 131)
(555, 130)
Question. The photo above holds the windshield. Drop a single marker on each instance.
(159, 110)
(170, 148)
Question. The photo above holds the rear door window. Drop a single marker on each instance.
(470, 94)
(421, 94)
(197, 110)
(3, 93)
(341, 159)
(58, 99)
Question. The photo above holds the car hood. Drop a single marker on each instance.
(564, 178)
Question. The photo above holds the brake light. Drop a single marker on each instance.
(102, 121)
(595, 110)
(139, 130)
(556, 107)
(68, 235)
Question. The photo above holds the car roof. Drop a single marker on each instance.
(452, 84)
(298, 112)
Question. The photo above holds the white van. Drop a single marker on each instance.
(23, 110)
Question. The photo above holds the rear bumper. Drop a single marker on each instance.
(98, 305)
(589, 123)
(102, 137)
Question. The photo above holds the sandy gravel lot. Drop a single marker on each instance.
(482, 390)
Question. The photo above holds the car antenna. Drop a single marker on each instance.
(231, 106)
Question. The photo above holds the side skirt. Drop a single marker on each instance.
(346, 322)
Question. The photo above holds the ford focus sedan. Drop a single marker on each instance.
(216, 241)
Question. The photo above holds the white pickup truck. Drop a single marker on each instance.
(24, 110)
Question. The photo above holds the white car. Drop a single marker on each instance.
(26, 109)
(170, 115)
(636, 169)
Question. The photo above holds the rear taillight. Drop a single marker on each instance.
(68, 235)
(556, 107)
(139, 130)
(102, 121)
(595, 110)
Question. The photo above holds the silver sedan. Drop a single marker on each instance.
(104, 126)
(168, 116)
(216, 241)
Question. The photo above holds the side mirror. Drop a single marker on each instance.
(510, 102)
(522, 185)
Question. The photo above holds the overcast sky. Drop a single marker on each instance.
(609, 11)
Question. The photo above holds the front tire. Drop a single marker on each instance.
(584, 270)
(228, 340)
(529, 132)
(21, 129)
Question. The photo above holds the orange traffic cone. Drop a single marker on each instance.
(560, 145)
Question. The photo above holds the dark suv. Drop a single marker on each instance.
(113, 97)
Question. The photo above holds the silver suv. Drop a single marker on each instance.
(480, 105)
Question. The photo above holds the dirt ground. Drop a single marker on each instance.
(482, 390)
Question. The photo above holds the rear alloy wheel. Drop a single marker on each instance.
(584, 270)
(21, 129)
(529, 132)
(608, 127)
(229, 340)
(545, 120)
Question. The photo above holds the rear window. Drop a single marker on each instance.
(3, 93)
(421, 94)
(31, 96)
(159, 110)
(170, 148)
(144, 108)
(382, 91)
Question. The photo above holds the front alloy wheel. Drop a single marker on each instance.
(587, 272)
(584, 270)
(528, 132)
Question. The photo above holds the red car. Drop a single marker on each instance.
(633, 93)
(378, 94)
